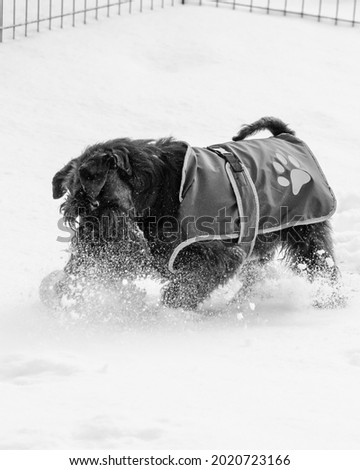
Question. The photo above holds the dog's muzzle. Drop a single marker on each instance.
(94, 204)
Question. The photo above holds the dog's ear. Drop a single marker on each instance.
(63, 179)
(120, 159)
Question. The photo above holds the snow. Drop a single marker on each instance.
(276, 373)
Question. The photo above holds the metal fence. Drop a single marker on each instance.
(26, 16)
(335, 11)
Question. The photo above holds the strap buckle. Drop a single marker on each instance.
(234, 162)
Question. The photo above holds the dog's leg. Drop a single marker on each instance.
(188, 289)
(255, 269)
(309, 249)
(201, 270)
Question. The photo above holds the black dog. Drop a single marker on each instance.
(128, 199)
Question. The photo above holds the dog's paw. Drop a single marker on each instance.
(289, 172)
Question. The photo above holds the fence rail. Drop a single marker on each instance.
(336, 11)
(23, 16)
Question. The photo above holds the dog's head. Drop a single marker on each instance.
(102, 177)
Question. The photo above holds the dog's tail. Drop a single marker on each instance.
(274, 125)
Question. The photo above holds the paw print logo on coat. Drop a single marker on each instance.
(289, 172)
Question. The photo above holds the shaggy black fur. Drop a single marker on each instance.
(123, 193)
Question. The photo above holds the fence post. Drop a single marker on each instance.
(337, 12)
(38, 17)
(1, 20)
(354, 13)
(26, 16)
(319, 14)
(73, 13)
(50, 13)
(14, 19)
(62, 14)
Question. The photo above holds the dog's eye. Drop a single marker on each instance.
(122, 173)
(87, 175)
(124, 178)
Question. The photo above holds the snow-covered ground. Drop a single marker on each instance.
(283, 374)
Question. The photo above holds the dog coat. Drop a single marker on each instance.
(237, 190)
